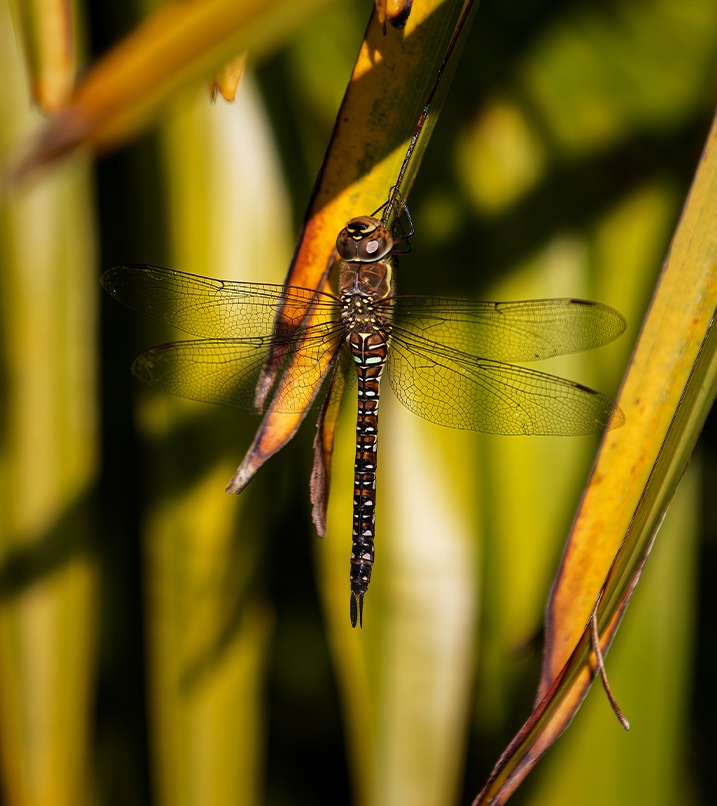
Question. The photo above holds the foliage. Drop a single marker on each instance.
(214, 662)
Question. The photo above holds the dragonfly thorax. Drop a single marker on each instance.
(366, 279)
(364, 240)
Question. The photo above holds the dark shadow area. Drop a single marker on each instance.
(572, 196)
(69, 536)
(307, 757)
(573, 193)
(121, 717)
(702, 743)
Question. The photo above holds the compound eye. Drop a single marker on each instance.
(375, 247)
(346, 246)
(363, 239)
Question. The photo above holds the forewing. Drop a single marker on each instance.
(454, 389)
(211, 308)
(529, 330)
(226, 371)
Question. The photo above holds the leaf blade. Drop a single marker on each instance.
(668, 391)
(392, 77)
(180, 42)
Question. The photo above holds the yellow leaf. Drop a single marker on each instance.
(46, 33)
(667, 394)
(182, 41)
(389, 86)
(226, 80)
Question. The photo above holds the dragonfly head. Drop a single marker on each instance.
(364, 240)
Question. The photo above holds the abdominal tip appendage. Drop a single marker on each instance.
(356, 610)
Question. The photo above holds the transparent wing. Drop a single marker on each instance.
(226, 371)
(529, 330)
(446, 363)
(458, 390)
(212, 308)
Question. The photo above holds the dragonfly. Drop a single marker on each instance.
(450, 361)
(453, 362)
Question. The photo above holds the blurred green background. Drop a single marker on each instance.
(163, 643)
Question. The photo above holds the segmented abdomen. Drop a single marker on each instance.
(369, 351)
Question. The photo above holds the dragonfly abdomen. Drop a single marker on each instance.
(369, 351)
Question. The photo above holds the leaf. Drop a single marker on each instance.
(667, 394)
(405, 679)
(650, 663)
(394, 11)
(207, 621)
(47, 36)
(49, 470)
(180, 42)
(389, 86)
(226, 79)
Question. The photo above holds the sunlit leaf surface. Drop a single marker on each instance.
(208, 625)
(181, 41)
(47, 30)
(226, 80)
(392, 77)
(49, 468)
(670, 387)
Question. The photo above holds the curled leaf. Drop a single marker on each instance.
(226, 80)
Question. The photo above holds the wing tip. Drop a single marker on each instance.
(616, 418)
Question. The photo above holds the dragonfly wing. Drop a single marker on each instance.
(211, 308)
(454, 389)
(528, 330)
(226, 371)
(345, 379)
